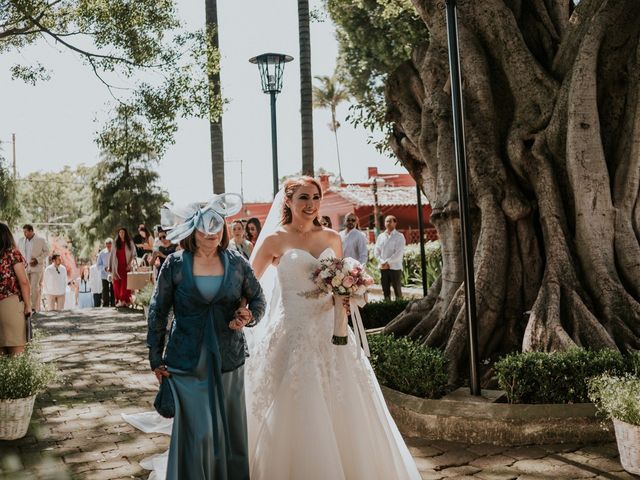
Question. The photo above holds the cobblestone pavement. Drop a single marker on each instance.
(77, 431)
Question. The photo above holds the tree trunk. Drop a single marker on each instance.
(553, 140)
(215, 124)
(306, 92)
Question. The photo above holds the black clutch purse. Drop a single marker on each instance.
(164, 403)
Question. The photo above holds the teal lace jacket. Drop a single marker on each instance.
(175, 288)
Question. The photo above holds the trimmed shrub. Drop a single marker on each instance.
(408, 367)
(617, 397)
(379, 314)
(558, 377)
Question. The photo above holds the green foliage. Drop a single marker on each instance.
(411, 267)
(379, 314)
(124, 186)
(617, 397)
(9, 204)
(118, 40)
(558, 377)
(142, 298)
(632, 359)
(374, 37)
(24, 375)
(408, 367)
(56, 197)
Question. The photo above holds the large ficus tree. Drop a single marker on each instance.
(553, 141)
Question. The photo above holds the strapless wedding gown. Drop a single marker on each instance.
(315, 410)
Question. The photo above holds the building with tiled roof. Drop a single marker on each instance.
(397, 196)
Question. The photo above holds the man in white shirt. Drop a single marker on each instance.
(389, 251)
(95, 284)
(354, 242)
(55, 283)
(35, 250)
(108, 299)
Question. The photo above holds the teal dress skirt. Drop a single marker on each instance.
(208, 442)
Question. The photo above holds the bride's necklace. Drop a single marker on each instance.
(301, 231)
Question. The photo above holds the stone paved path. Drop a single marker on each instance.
(77, 431)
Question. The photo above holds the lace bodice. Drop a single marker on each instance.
(294, 273)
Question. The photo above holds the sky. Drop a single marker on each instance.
(55, 121)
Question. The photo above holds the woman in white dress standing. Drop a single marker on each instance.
(315, 410)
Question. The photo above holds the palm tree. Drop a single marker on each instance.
(215, 124)
(306, 95)
(329, 94)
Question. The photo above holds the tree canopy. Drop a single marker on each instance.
(120, 41)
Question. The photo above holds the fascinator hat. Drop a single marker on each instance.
(208, 217)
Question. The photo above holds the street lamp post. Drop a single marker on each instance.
(271, 68)
(463, 193)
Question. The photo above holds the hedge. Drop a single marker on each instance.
(558, 377)
(408, 367)
(379, 314)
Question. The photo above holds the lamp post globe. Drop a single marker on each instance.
(271, 69)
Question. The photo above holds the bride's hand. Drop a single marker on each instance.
(242, 317)
(346, 305)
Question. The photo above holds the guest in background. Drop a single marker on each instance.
(354, 242)
(144, 242)
(325, 221)
(163, 250)
(15, 295)
(108, 298)
(35, 251)
(95, 283)
(253, 229)
(120, 260)
(238, 242)
(84, 296)
(55, 283)
(389, 251)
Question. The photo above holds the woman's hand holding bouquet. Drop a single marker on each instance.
(347, 280)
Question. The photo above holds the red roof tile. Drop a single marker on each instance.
(387, 196)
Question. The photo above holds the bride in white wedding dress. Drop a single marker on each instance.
(315, 410)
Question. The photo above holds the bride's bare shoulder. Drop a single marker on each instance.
(274, 239)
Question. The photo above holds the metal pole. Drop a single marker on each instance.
(463, 193)
(13, 141)
(376, 209)
(274, 143)
(423, 255)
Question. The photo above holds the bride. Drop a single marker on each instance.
(315, 410)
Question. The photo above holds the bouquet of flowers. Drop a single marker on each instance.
(347, 280)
